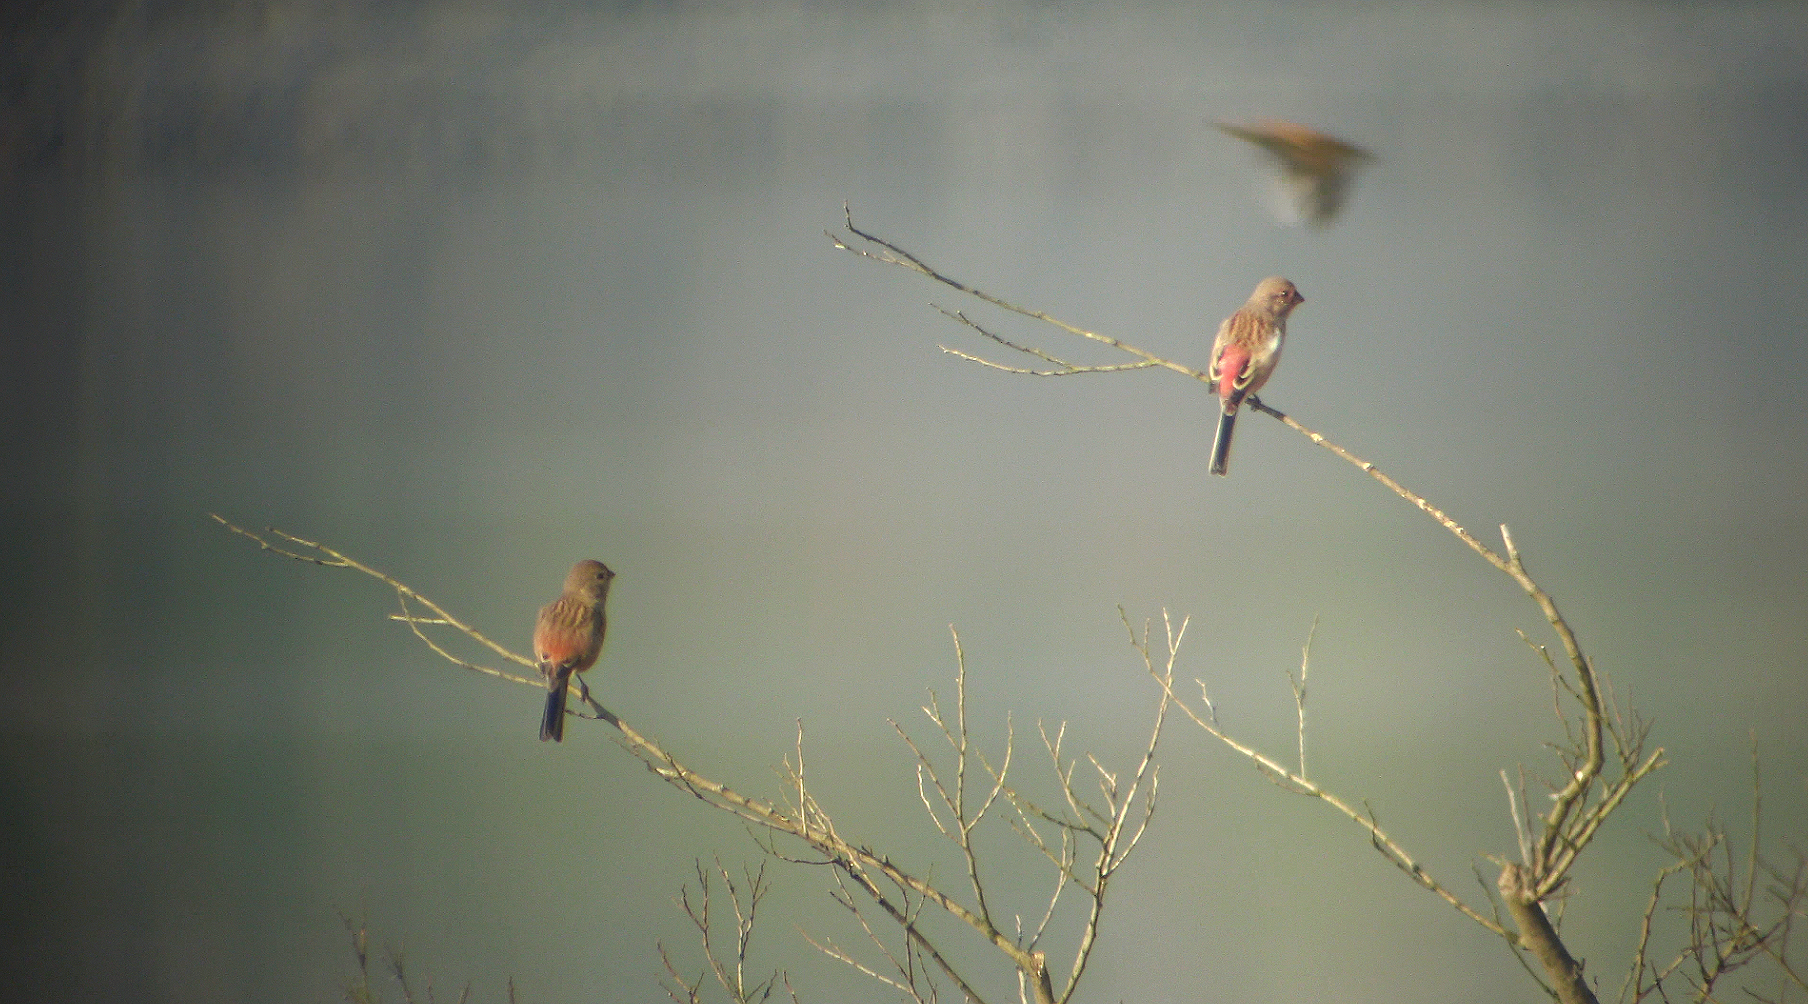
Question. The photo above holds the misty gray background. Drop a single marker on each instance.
(473, 292)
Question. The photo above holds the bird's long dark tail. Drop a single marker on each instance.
(552, 724)
(1227, 420)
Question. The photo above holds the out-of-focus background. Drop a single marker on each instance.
(471, 292)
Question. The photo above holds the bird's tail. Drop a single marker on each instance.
(552, 724)
(1227, 420)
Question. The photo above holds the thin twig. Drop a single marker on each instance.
(895, 255)
(1378, 838)
(1299, 691)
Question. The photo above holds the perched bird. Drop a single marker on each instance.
(568, 637)
(1313, 171)
(1245, 353)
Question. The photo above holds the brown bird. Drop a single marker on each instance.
(568, 637)
(1245, 354)
(1314, 171)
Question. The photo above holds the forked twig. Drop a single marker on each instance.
(730, 973)
(892, 254)
(404, 593)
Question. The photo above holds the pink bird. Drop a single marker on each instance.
(568, 637)
(1245, 353)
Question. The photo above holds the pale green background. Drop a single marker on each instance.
(472, 292)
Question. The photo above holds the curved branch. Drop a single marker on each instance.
(805, 822)
(891, 254)
(1570, 823)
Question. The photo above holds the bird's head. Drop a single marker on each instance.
(1275, 297)
(590, 579)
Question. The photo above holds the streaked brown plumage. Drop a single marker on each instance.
(568, 638)
(1245, 354)
(1314, 171)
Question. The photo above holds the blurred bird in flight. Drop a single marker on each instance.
(1313, 172)
(568, 637)
(1245, 353)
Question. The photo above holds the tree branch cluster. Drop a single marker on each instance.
(1085, 841)
(1736, 911)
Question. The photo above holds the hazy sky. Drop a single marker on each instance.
(471, 294)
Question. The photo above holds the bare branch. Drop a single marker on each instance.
(730, 973)
(1519, 820)
(1116, 826)
(1730, 921)
(334, 559)
(891, 254)
(1580, 804)
(806, 822)
(1061, 366)
(1378, 838)
(1299, 691)
(1537, 934)
(962, 819)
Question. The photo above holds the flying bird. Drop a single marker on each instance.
(1313, 172)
